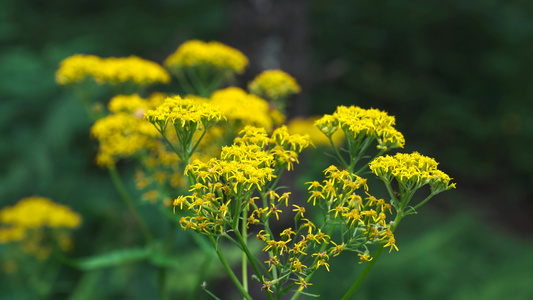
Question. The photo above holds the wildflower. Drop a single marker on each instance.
(236, 105)
(299, 247)
(251, 220)
(36, 211)
(314, 196)
(274, 84)
(110, 70)
(121, 135)
(321, 236)
(392, 244)
(266, 285)
(364, 258)
(296, 265)
(313, 185)
(223, 209)
(285, 197)
(300, 210)
(274, 210)
(356, 121)
(188, 114)
(411, 170)
(337, 210)
(322, 262)
(218, 55)
(262, 236)
(306, 126)
(302, 283)
(287, 232)
(337, 249)
(272, 261)
(187, 223)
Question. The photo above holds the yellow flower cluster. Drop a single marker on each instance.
(23, 223)
(111, 70)
(306, 126)
(364, 216)
(124, 132)
(195, 53)
(274, 84)
(242, 108)
(247, 165)
(411, 170)
(37, 211)
(132, 104)
(188, 114)
(357, 122)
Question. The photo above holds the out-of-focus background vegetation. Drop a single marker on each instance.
(456, 74)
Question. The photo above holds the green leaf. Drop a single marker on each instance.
(112, 259)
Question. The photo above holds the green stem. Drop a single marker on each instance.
(121, 189)
(413, 209)
(228, 269)
(251, 259)
(244, 259)
(322, 248)
(371, 263)
(363, 275)
(337, 152)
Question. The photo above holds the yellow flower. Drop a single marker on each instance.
(76, 68)
(411, 169)
(33, 212)
(115, 70)
(189, 114)
(364, 258)
(132, 104)
(24, 223)
(300, 210)
(302, 283)
(110, 70)
(195, 53)
(273, 84)
(242, 108)
(391, 244)
(304, 126)
(356, 121)
(121, 135)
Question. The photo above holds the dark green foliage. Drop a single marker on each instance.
(454, 73)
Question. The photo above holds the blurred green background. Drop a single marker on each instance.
(456, 74)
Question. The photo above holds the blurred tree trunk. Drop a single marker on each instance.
(274, 35)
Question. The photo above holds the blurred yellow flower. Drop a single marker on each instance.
(111, 70)
(195, 52)
(274, 84)
(306, 126)
(243, 108)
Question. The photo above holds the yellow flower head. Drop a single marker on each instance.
(132, 104)
(273, 84)
(195, 53)
(76, 68)
(122, 135)
(242, 108)
(411, 169)
(356, 121)
(306, 126)
(34, 212)
(184, 112)
(110, 70)
(115, 70)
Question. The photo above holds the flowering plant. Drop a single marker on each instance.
(217, 155)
